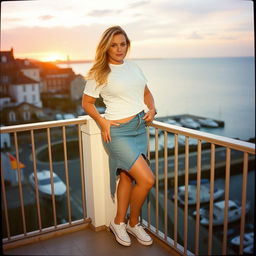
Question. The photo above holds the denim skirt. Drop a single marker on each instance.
(128, 142)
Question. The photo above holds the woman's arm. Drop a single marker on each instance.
(88, 104)
(149, 101)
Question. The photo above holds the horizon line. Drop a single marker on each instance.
(153, 58)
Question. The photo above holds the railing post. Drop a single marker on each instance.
(99, 204)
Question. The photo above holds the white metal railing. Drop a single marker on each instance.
(15, 131)
(248, 150)
(94, 164)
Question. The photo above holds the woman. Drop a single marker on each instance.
(123, 88)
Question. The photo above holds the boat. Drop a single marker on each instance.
(248, 239)
(172, 121)
(44, 184)
(170, 144)
(208, 123)
(234, 212)
(190, 123)
(204, 193)
(191, 141)
(152, 131)
(249, 249)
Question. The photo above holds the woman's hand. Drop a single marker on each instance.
(149, 116)
(105, 128)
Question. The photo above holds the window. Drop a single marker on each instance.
(25, 98)
(26, 115)
(12, 116)
(33, 98)
(4, 59)
(24, 88)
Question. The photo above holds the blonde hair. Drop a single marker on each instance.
(100, 69)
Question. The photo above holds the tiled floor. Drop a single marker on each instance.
(89, 243)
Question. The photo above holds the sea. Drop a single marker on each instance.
(217, 88)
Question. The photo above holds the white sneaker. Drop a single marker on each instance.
(120, 233)
(139, 232)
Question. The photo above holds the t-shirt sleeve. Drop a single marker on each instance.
(91, 89)
(141, 73)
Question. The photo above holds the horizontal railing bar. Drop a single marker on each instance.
(8, 244)
(208, 137)
(42, 125)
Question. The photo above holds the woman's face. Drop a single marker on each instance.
(118, 49)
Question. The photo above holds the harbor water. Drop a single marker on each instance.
(218, 88)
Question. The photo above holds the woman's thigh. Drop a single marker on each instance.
(142, 173)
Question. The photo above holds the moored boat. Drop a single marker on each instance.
(190, 123)
(234, 212)
(204, 193)
(208, 123)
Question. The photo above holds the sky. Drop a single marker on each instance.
(48, 30)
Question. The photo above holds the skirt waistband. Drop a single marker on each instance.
(138, 118)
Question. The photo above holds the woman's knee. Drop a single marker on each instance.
(148, 181)
(125, 177)
(151, 180)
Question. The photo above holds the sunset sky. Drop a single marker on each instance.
(50, 30)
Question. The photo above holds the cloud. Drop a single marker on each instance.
(195, 35)
(105, 12)
(137, 4)
(46, 17)
(12, 19)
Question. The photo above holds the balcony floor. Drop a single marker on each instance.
(88, 242)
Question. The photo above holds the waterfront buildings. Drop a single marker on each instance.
(31, 89)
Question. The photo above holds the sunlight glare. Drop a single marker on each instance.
(53, 57)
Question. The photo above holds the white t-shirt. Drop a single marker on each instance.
(123, 94)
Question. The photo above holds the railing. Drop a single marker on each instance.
(100, 208)
(25, 137)
(248, 151)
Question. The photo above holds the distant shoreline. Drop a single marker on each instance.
(89, 61)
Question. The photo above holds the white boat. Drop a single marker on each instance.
(248, 239)
(191, 141)
(44, 184)
(170, 144)
(189, 123)
(208, 123)
(153, 149)
(204, 194)
(152, 131)
(172, 121)
(234, 212)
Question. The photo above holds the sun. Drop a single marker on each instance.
(53, 57)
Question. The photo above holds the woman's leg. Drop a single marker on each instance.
(145, 180)
(123, 196)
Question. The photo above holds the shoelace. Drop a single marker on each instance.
(141, 229)
(122, 229)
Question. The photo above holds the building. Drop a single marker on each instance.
(8, 67)
(20, 80)
(25, 89)
(20, 113)
(55, 80)
(77, 87)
